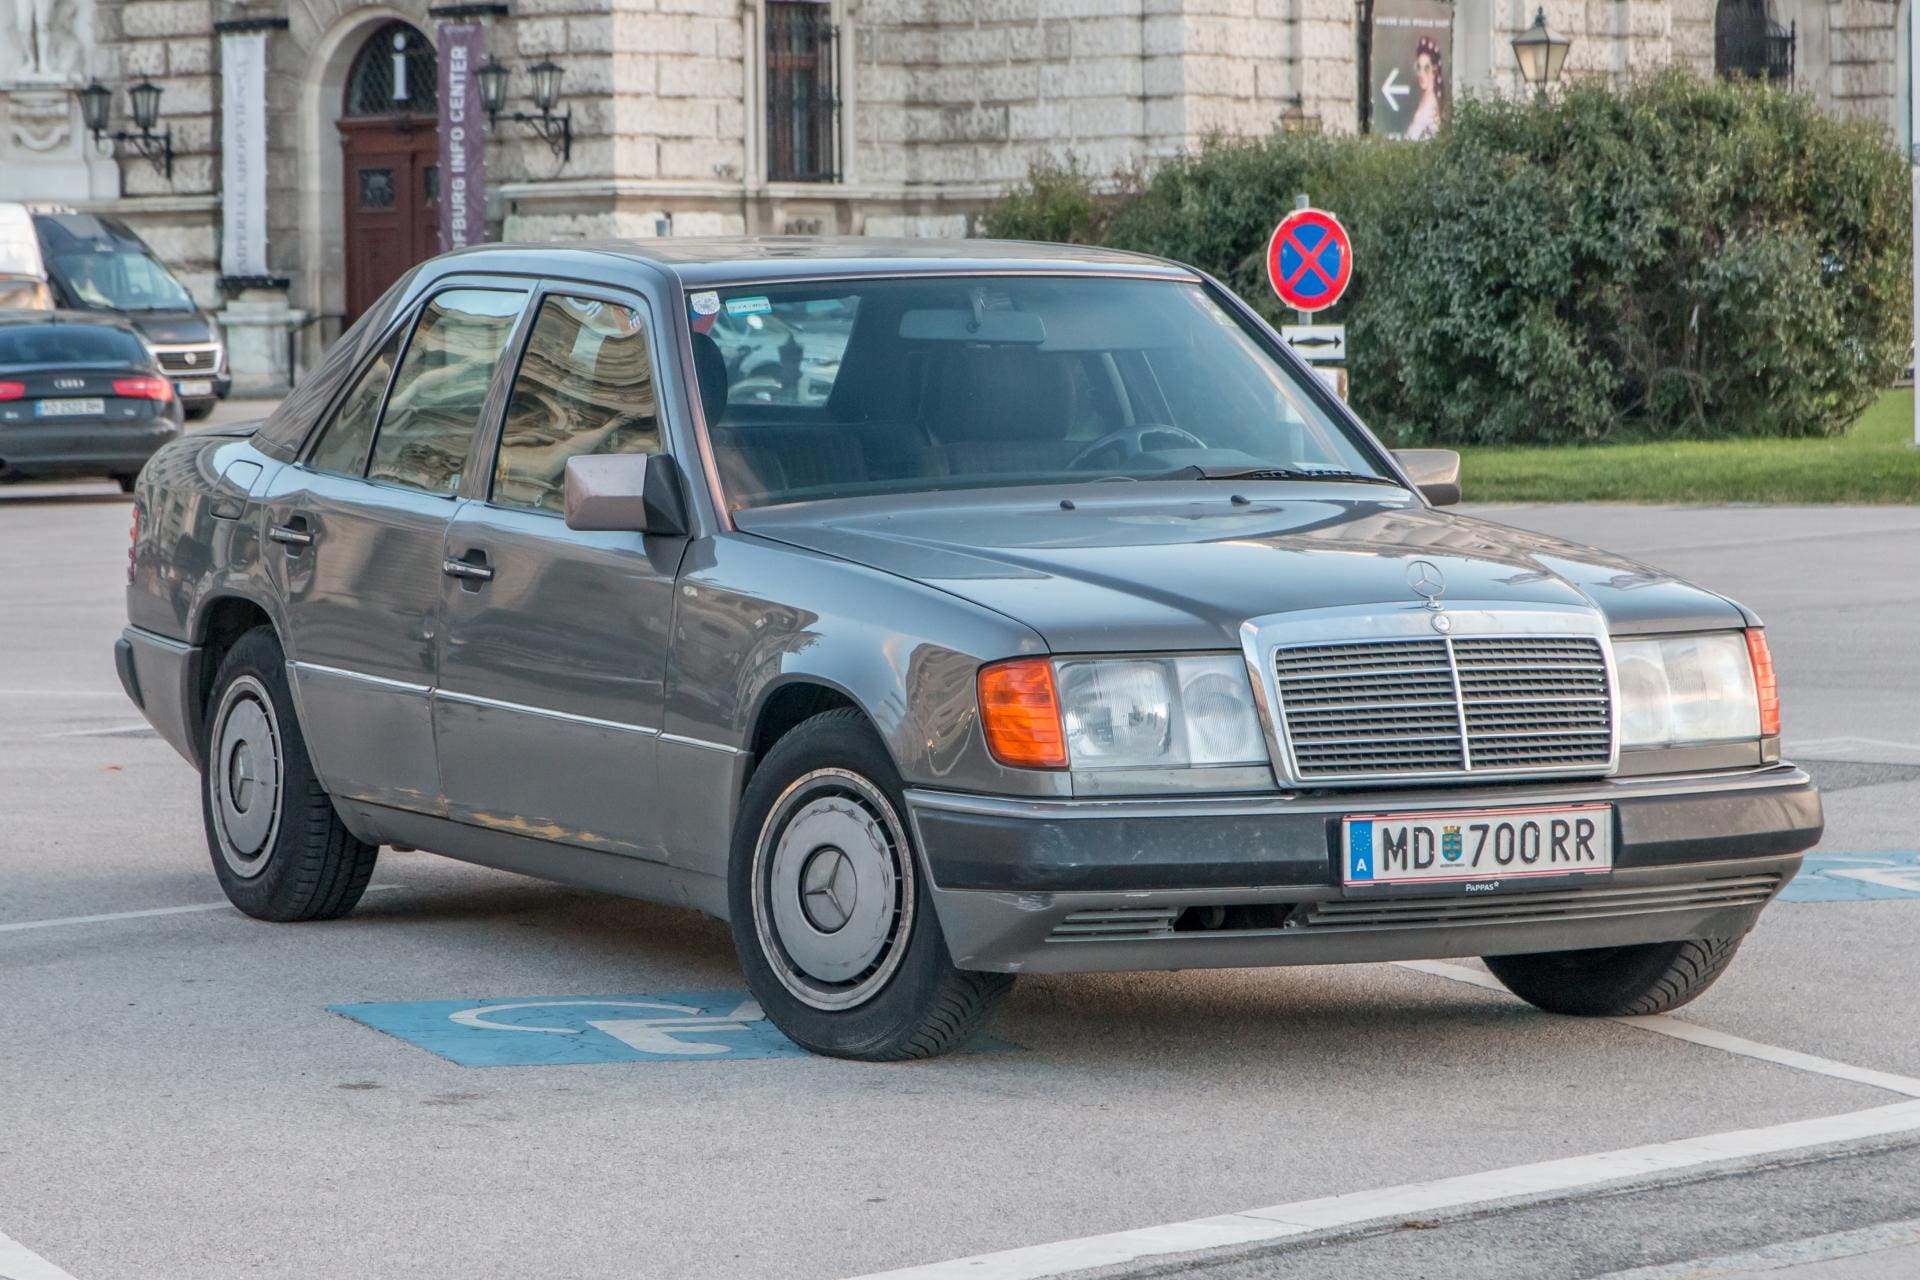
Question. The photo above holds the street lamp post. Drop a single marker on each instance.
(1541, 54)
(96, 111)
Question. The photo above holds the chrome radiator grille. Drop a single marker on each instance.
(189, 360)
(1465, 706)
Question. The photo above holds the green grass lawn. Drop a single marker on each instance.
(1875, 462)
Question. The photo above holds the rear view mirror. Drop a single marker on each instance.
(1435, 471)
(1017, 327)
(625, 493)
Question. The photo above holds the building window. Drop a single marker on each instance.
(803, 100)
(395, 73)
(1746, 42)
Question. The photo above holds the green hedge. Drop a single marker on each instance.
(1676, 258)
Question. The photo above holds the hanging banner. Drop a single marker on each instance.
(243, 153)
(463, 137)
(1412, 61)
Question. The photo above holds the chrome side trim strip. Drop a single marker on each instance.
(1371, 801)
(314, 668)
(158, 641)
(545, 713)
(682, 740)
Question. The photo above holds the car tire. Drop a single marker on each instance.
(195, 412)
(831, 916)
(1616, 982)
(278, 845)
(126, 480)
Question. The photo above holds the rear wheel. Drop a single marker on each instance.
(279, 848)
(1614, 982)
(195, 412)
(831, 918)
(125, 479)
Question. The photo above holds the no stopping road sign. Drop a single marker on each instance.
(1309, 260)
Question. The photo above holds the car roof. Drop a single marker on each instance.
(709, 261)
(94, 319)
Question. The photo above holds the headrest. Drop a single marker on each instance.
(711, 369)
(1003, 393)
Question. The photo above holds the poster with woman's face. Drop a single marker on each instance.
(1412, 44)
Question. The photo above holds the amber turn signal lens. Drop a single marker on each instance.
(1764, 683)
(1020, 712)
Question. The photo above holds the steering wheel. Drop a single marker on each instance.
(1135, 441)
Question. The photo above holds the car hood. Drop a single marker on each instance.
(1178, 566)
(169, 327)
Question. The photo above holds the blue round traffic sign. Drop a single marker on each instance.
(1309, 260)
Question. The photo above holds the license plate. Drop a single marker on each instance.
(1480, 849)
(69, 408)
(195, 389)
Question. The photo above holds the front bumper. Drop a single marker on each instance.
(1078, 885)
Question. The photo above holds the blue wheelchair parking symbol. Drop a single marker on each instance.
(573, 1029)
(1856, 877)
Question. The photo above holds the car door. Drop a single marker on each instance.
(549, 701)
(358, 535)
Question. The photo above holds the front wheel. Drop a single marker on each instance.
(831, 918)
(279, 848)
(1616, 982)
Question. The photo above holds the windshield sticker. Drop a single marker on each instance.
(704, 304)
(748, 306)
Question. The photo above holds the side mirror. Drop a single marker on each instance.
(1435, 471)
(625, 493)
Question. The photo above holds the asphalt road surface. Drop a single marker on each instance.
(179, 1099)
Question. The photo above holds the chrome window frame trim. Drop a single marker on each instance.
(1262, 638)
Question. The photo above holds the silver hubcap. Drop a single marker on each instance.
(244, 777)
(833, 881)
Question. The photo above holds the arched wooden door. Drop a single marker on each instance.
(390, 176)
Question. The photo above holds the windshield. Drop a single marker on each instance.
(926, 383)
(120, 280)
(69, 344)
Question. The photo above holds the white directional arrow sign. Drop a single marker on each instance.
(1394, 92)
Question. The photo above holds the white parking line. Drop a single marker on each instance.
(17, 1262)
(1791, 1253)
(1667, 1025)
(136, 915)
(1523, 1183)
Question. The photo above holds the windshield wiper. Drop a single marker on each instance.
(1196, 471)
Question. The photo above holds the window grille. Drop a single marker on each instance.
(395, 73)
(1746, 42)
(803, 99)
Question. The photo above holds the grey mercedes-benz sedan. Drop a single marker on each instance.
(935, 613)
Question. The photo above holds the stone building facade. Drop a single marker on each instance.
(742, 116)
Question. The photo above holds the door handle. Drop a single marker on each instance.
(471, 570)
(292, 534)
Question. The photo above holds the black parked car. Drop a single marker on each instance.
(99, 265)
(79, 395)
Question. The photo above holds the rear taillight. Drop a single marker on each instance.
(133, 542)
(1764, 683)
(143, 388)
(13, 390)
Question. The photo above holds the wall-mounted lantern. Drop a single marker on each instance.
(96, 110)
(1541, 54)
(557, 130)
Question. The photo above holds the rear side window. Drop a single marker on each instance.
(584, 387)
(342, 447)
(435, 403)
(54, 344)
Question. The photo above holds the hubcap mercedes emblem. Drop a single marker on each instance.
(827, 890)
(1427, 582)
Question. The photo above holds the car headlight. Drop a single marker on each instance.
(1121, 713)
(1691, 689)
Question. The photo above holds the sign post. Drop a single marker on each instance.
(1309, 265)
(1913, 158)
